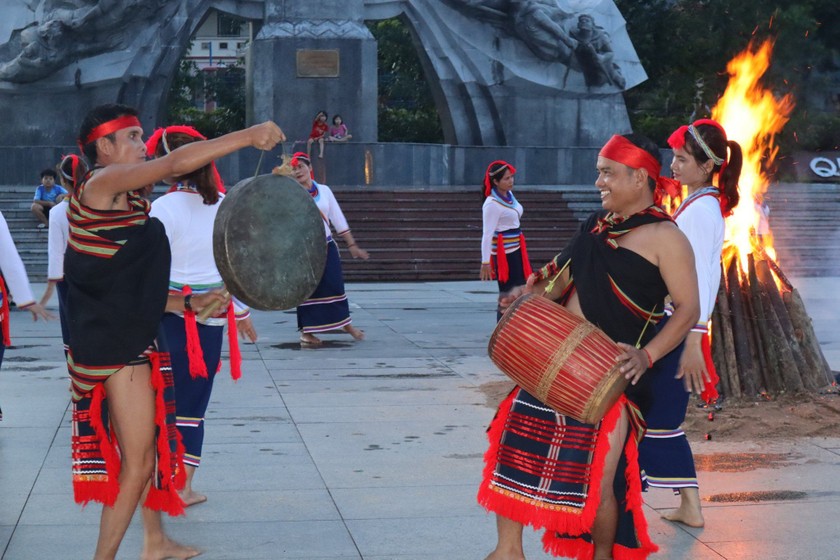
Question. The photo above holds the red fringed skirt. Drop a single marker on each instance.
(96, 454)
(544, 470)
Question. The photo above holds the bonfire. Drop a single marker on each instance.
(763, 342)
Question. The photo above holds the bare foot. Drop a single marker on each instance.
(191, 497)
(689, 518)
(168, 549)
(354, 332)
(307, 339)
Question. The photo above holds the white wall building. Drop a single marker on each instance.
(221, 40)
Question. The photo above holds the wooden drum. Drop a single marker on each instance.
(563, 360)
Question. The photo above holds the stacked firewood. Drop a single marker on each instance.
(763, 341)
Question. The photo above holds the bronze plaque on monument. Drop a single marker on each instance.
(317, 63)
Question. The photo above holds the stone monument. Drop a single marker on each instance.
(545, 73)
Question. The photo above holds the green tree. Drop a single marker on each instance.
(406, 108)
(224, 86)
(682, 41)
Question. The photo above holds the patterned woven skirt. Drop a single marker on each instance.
(95, 449)
(544, 470)
(327, 308)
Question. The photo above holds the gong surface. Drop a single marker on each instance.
(269, 242)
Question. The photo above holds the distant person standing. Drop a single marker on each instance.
(504, 256)
(47, 195)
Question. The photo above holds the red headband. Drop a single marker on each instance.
(488, 183)
(677, 139)
(159, 135)
(622, 150)
(106, 128)
(302, 157)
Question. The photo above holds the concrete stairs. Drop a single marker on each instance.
(30, 241)
(436, 235)
(416, 234)
(805, 221)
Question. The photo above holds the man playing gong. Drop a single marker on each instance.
(117, 263)
(580, 482)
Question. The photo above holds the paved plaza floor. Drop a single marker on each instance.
(373, 450)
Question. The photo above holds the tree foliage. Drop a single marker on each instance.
(406, 108)
(192, 89)
(682, 41)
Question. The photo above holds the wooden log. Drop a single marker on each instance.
(722, 331)
(768, 283)
(781, 275)
(773, 373)
(743, 347)
(763, 379)
(820, 373)
(718, 353)
(778, 344)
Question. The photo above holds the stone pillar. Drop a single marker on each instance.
(312, 56)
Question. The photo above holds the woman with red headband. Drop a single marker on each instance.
(709, 166)
(503, 252)
(117, 271)
(327, 308)
(188, 212)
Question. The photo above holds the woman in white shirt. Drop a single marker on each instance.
(188, 212)
(500, 228)
(709, 166)
(327, 308)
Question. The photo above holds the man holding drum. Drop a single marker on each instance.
(580, 482)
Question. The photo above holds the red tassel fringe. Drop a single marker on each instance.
(4, 315)
(710, 392)
(195, 355)
(233, 345)
(501, 259)
(526, 262)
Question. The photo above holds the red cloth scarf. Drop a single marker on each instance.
(501, 258)
(195, 355)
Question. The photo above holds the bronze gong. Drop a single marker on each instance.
(269, 242)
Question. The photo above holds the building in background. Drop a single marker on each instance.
(220, 41)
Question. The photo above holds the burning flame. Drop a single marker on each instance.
(751, 116)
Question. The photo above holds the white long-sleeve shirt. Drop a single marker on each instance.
(701, 221)
(497, 217)
(189, 227)
(328, 205)
(58, 235)
(12, 267)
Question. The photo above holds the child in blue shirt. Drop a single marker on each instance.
(47, 195)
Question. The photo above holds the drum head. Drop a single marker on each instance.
(269, 242)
